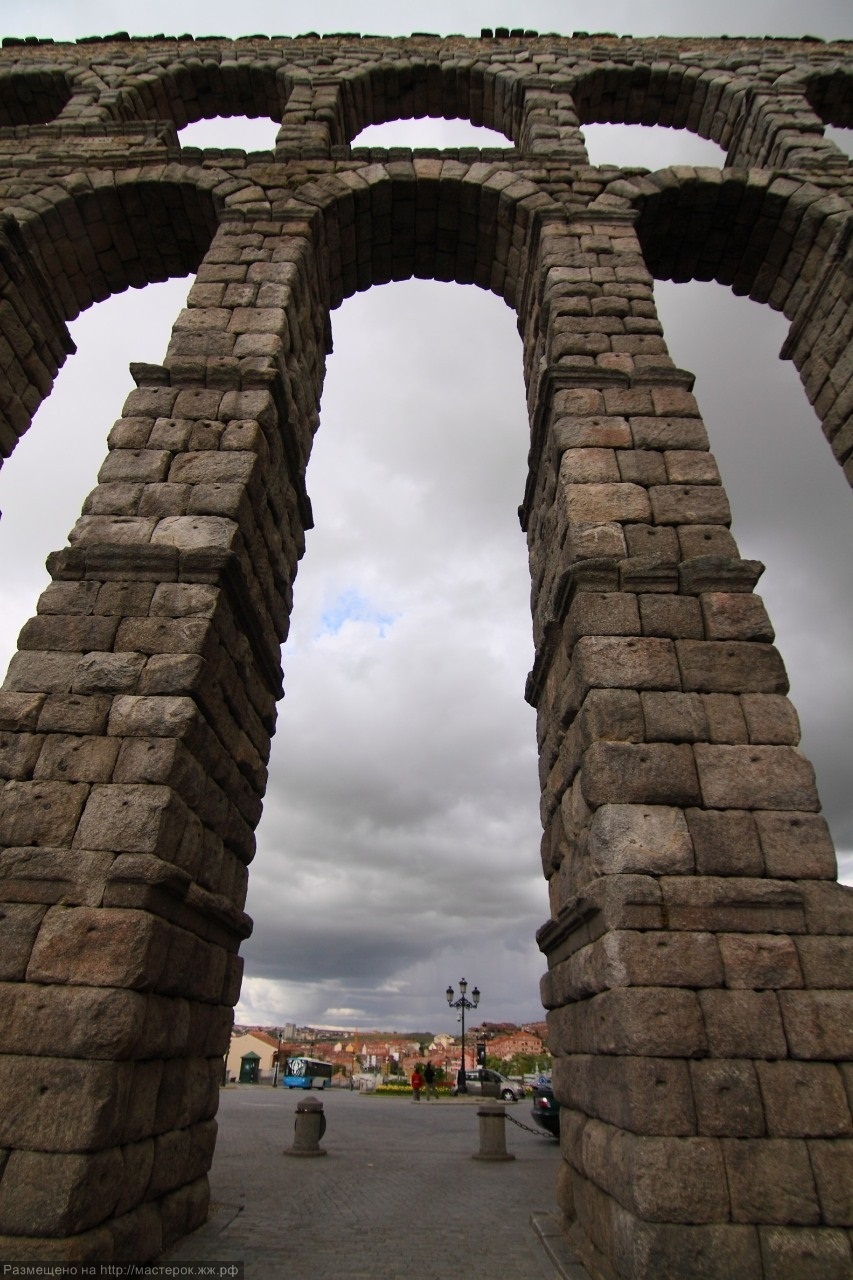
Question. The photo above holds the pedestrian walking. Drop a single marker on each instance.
(430, 1090)
(417, 1084)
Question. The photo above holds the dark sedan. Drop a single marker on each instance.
(546, 1109)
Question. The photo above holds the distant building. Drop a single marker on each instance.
(251, 1057)
(507, 1046)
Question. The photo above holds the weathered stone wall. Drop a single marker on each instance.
(698, 946)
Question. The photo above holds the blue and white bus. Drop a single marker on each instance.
(307, 1073)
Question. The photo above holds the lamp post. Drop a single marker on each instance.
(462, 1004)
(277, 1060)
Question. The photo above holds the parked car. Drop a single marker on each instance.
(500, 1085)
(546, 1109)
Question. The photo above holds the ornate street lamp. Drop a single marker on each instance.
(277, 1059)
(462, 1004)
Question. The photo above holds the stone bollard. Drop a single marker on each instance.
(492, 1132)
(308, 1129)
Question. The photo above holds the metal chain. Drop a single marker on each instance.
(528, 1128)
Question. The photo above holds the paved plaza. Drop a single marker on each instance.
(397, 1195)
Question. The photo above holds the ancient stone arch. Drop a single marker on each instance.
(698, 945)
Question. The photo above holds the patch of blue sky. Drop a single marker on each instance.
(351, 606)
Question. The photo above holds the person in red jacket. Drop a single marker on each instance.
(417, 1084)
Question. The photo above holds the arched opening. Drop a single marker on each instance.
(649, 147)
(677, 96)
(767, 437)
(494, 646)
(791, 509)
(430, 133)
(91, 243)
(42, 487)
(224, 132)
(203, 88)
(400, 834)
(82, 245)
(441, 91)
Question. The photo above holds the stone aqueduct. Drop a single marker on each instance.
(698, 942)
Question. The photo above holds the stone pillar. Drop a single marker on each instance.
(698, 942)
(136, 719)
(312, 122)
(308, 1129)
(549, 122)
(492, 1117)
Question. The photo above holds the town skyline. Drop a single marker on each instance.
(257, 1054)
(300, 1030)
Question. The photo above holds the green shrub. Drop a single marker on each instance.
(393, 1087)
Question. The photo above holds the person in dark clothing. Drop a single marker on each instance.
(429, 1081)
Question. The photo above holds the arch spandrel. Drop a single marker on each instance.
(30, 95)
(681, 823)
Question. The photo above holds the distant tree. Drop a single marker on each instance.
(521, 1064)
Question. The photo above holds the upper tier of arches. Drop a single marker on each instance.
(765, 103)
(469, 223)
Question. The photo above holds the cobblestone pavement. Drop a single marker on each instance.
(398, 1193)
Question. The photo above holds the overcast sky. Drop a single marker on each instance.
(399, 848)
